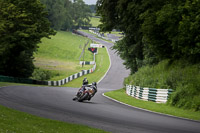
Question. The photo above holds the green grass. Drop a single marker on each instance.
(12, 121)
(63, 46)
(121, 96)
(95, 21)
(61, 53)
(102, 62)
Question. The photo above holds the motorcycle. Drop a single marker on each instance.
(84, 93)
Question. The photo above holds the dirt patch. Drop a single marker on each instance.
(55, 64)
(68, 66)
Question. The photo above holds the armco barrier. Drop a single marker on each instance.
(72, 77)
(149, 94)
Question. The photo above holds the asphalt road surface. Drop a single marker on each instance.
(56, 103)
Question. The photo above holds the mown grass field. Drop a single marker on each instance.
(121, 96)
(61, 53)
(12, 121)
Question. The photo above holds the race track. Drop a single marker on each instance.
(56, 103)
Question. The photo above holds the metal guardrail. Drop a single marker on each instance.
(72, 77)
(149, 94)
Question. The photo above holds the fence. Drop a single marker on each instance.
(149, 94)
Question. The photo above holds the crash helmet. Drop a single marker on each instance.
(85, 81)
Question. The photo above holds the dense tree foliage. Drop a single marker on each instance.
(67, 14)
(154, 29)
(22, 24)
(93, 8)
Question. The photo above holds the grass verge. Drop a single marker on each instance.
(121, 96)
(103, 63)
(18, 122)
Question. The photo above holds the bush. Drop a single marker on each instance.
(186, 96)
(40, 74)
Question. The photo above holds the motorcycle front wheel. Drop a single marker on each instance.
(83, 97)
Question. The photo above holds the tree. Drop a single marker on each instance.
(58, 11)
(173, 31)
(93, 8)
(22, 24)
(123, 15)
(154, 30)
(81, 14)
(66, 15)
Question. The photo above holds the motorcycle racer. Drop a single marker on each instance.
(92, 89)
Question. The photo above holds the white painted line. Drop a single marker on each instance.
(148, 110)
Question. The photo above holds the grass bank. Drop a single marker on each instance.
(59, 56)
(121, 96)
(18, 122)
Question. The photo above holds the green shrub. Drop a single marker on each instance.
(40, 74)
